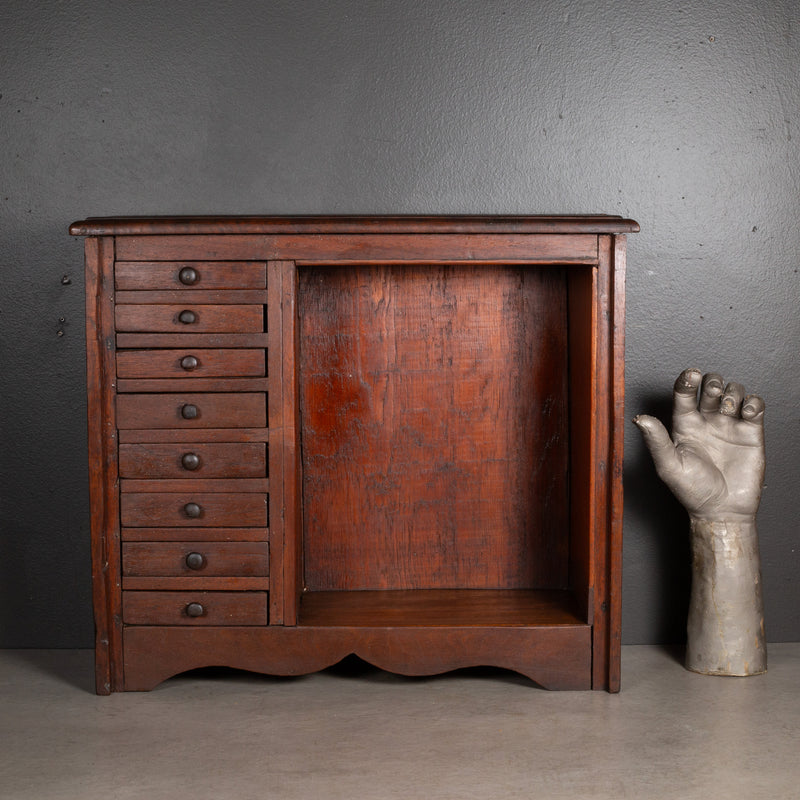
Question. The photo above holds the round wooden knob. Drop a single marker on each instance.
(187, 317)
(192, 510)
(190, 411)
(189, 363)
(190, 461)
(188, 276)
(194, 610)
(195, 561)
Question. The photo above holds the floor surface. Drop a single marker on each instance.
(354, 732)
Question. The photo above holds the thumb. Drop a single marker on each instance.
(659, 444)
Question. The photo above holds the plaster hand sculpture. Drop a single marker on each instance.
(714, 464)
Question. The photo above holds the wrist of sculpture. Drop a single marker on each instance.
(726, 610)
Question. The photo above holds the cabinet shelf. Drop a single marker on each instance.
(439, 608)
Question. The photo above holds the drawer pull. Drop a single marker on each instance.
(190, 461)
(188, 276)
(190, 411)
(192, 510)
(195, 561)
(189, 363)
(194, 610)
(187, 317)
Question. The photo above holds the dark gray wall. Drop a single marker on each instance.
(683, 116)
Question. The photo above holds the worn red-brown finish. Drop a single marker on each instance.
(427, 394)
(217, 509)
(208, 275)
(403, 439)
(218, 410)
(246, 460)
(170, 559)
(170, 608)
(156, 317)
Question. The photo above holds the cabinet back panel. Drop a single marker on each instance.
(434, 427)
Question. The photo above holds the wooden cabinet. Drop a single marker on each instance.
(399, 437)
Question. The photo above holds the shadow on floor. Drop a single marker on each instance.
(73, 668)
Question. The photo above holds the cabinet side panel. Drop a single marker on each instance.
(103, 472)
(607, 472)
(583, 412)
(617, 454)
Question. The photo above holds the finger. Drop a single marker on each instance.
(753, 409)
(711, 392)
(684, 395)
(659, 444)
(731, 403)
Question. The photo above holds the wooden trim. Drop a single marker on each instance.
(556, 657)
(560, 224)
(195, 534)
(103, 470)
(193, 297)
(181, 384)
(168, 340)
(274, 327)
(188, 435)
(604, 579)
(362, 248)
(222, 485)
(215, 584)
(286, 279)
(619, 245)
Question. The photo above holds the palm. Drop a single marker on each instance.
(714, 463)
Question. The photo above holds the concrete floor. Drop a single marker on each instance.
(355, 732)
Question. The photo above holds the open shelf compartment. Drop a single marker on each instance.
(445, 444)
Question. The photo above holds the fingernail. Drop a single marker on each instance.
(728, 405)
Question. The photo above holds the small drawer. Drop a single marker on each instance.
(194, 608)
(217, 363)
(189, 318)
(195, 559)
(161, 275)
(201, 460)
(203, 509)
(217, 410)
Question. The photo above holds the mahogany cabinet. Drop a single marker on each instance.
(399, 437)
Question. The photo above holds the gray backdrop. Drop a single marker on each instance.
(682, 116)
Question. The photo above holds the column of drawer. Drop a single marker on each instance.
(192, 420)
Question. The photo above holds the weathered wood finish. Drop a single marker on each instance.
(207, 318)
(170, 608)
(555, 657)
(103, 470)
(169, 559)
(158, 276)
(436, 391)
(244, 410)
(247, 460)
(217, 509)
(405, 443)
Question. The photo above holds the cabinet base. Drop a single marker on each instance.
(557, 657)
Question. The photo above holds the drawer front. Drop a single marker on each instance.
(189, 318)
(204, 509)
(247, 460)
(190, 363)
(194, 608)
(246, 410)
(195, 559)
(188, 275)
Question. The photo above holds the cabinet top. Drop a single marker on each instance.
(144, 226)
